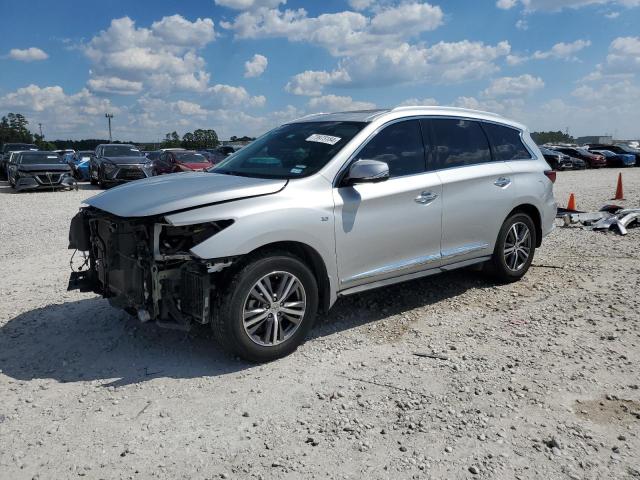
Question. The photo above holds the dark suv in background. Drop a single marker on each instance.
(6, 150)
(592, 160)
(117, 163)
(620, 149)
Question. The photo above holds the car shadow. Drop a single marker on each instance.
(88, 340)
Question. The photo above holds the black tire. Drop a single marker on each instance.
(498, 266)
(227, 319)
(92, 180)
(101, 183)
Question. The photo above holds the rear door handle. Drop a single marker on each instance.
(502, 182)
(426, 198)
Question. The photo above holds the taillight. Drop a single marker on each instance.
(551, 175)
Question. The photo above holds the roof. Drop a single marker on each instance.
(406, 111)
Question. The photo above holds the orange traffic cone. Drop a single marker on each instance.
(572, 202)
(619, 191)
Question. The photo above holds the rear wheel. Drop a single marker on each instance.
(267, 308)
(93, 176)
(515, 248)
(101, 183)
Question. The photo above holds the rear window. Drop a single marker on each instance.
(459, 143)
(506, 143)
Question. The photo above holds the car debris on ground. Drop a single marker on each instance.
(608, 218)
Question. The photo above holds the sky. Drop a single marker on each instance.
(242, 67)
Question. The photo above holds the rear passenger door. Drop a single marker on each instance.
(477, 191)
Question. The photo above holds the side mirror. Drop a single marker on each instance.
(367, 171)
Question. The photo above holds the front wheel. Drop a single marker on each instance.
(515, 248)
(267, 309)
(93, 177)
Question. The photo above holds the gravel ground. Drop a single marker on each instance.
(537, 379)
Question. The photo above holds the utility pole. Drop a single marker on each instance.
(40, 125)
(109, 116)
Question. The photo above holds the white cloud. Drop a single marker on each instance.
(556, 5)
(513, 86)
(31, 54)
(360, 4)
(343, 33)
(612, 15)
(624, 55)
(506, 4)
(228, 95)
(249, 4)
(312, 83)
(256, 66)
(408, 17)
(443, 62)
(522, 24)
(114, 85)
(335, 103)
(77, 115)
(563, 51)
(426, 102)
(162, 58)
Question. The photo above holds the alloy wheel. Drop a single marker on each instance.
(517, 246)
(274, 308)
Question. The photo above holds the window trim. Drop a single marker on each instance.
(430, 161)
(337, 183)
(524, 144)
(437, 167)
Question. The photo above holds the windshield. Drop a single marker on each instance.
(40, 158)
(190, 157)
(21, 146)
(291, 151)
(121, 151)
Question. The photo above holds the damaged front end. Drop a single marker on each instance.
(144, 266)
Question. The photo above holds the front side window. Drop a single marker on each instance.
(400, 146)
(506, 142)
(294, 150)
(458, 143)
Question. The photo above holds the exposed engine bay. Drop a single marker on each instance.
(144, 266)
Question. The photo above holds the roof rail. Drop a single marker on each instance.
(438, 107)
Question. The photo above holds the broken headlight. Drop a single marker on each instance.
(179, 240)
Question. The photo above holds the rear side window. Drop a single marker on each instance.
(458, 143)
(400, 146)
(506, 143)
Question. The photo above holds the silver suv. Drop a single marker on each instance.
(325, 206)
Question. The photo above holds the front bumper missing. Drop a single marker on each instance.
(126, 267)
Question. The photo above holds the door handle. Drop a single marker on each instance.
(502, 182)
(426, 198)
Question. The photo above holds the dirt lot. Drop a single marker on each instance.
(537, 379)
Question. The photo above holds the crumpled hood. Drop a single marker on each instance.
(44, 167)
(126, 160)
(179, 191)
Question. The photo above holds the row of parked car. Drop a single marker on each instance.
(27, 168)
(594, 155)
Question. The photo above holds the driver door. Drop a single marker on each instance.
(392, 228)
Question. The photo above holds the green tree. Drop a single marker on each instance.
(200, 139)
(551, 137)
(171, 140)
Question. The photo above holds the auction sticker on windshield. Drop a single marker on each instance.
(328, 139)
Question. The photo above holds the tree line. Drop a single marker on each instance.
(14, 128)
